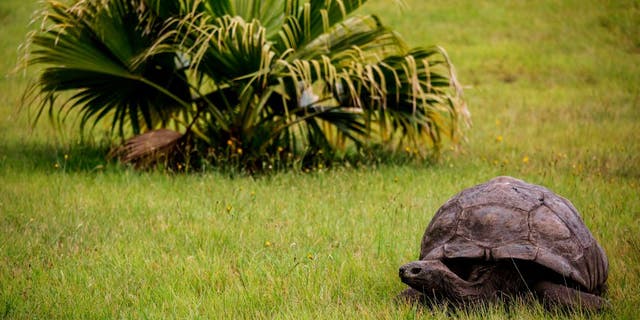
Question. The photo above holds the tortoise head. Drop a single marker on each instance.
(434, 279)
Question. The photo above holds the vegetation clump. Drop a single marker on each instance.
(252, 84)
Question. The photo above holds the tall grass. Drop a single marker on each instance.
(553, 91)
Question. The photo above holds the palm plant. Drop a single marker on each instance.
(245, 81)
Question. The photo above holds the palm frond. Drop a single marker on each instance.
(362, 38)
(224, 48)
(411, 94)
(304, 22)
(90, 49)
(268, 12)
(148, 147)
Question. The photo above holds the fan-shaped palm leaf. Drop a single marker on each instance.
(92, 49)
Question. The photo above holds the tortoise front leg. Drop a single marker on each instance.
(411, 296)
(553, 294)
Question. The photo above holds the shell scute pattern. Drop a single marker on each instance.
(507, 218)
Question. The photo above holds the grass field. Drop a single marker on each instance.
(554, 92)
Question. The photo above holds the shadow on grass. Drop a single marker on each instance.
(91, 157)
(49, 158)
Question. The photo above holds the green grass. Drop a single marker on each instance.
(554, 92)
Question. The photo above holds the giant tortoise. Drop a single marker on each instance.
(504, 239)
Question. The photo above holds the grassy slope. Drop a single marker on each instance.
(554, 97)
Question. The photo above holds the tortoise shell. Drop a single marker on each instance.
(507, 218)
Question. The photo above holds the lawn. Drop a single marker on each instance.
(554, 92)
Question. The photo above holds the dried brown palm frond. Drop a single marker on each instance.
(153, 147)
